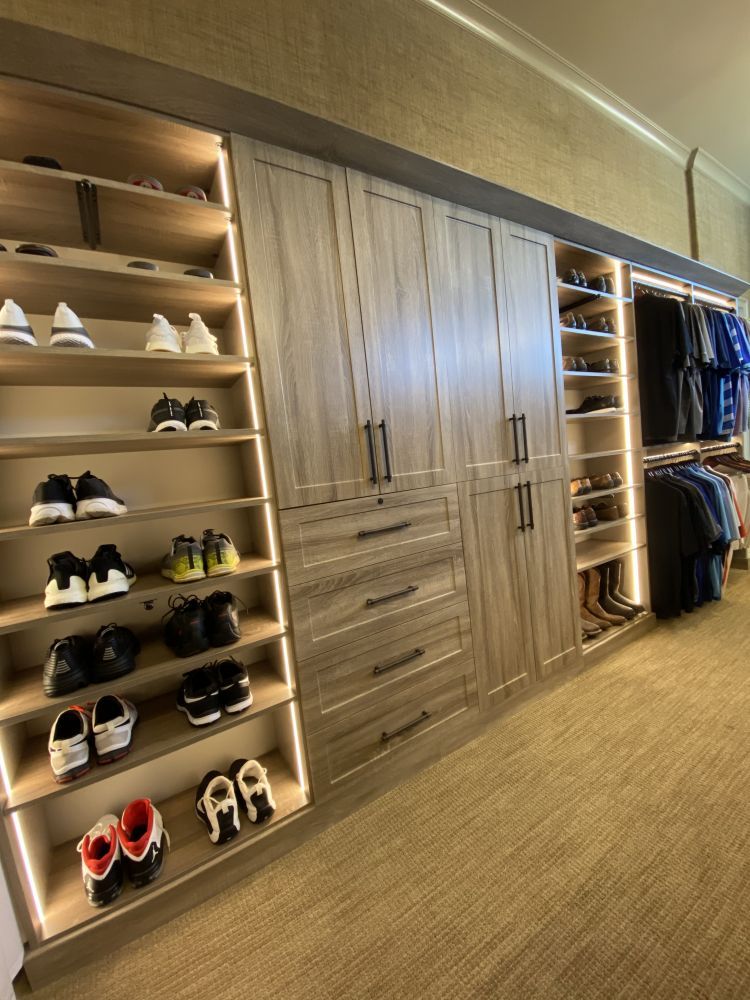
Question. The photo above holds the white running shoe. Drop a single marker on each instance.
(163, 337)
(199, 339)
(14, 327)
(67, 329)
(252, 789)
(112, 721)
(216, 805)
(69, 744)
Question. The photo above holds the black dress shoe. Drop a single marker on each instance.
(582, 281)
(571, 277)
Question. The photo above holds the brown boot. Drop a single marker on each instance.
(593, 583)
(586, 615)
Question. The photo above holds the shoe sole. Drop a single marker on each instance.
(203, 425)
(51, 513)
(18, 337)
(112, 669)
(106, 897)
(163, 345)
(98, 507)
(58, 690)
(110, 756)
(70, 340)
(222, 569)
(170, 425)
(202, 720)
(75, 593)
(151, 874)
(239, 706)
(212, 349)
(115, 584)
(72, 774)
(190, 577)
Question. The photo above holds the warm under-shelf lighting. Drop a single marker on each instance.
(628, 436)
(652, 279)
(27, 867)
(719, 300)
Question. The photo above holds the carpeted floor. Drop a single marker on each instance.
(594, 845)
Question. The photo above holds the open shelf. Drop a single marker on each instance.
(610, 639)
(593, 553)
(572, 296)
(101, 367)
(109, 442)
(597, 415)
(587, 341)
(98, 288)
(584, 498)
(582, 380)
(584, 533)
(65, 903)
(27, 611)
(602, 454)
(24, 699)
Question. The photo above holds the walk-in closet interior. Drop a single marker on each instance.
(447, 456)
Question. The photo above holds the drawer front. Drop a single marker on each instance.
(333, 538)
(363, 673)
(362, 743)
(339, 610)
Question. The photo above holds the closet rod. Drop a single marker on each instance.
(670, 455)
(727, 447)
(667, 292)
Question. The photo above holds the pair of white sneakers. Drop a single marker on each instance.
(197, 339)
(67, 329)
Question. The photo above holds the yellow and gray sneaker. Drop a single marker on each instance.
(184, 561)
(219, 554)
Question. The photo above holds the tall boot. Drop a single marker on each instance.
(615, 579)
(606, 601)
(586, 614)
(593, 584)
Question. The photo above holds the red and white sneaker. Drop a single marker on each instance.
(101, 862)
(68, 745)
(142, 840)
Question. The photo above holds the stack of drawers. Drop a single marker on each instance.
(381, 632)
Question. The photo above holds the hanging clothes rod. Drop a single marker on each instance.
(669, 456)
(726, 446)
(665, 290)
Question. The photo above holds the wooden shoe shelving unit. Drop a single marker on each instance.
(67, 410)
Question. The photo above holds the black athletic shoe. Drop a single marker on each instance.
(101, 862)
(67, 667)
(109, 574)
(54, 501)
(66, 583)
(252, 790)
(216, 805)
(201, 416)
(234, 685)
(198, 697)
(185, 626)
(167, 415)
(222, 618)
(598, 404)
(115, 650)
(143, 841)
(94, 498)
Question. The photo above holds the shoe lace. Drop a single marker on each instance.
(222, 595)
(178, 603)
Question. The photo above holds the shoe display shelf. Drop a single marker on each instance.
(66, 410)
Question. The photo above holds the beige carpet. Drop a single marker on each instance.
(594, 845)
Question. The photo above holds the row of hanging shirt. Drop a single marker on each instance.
(694, 519)
(737, 469)
(693, 368)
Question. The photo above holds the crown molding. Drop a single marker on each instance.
(704, 163)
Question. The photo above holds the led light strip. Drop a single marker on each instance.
(636, 582)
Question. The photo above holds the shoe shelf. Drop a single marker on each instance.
(65, 906)
(160, 730)
(23, 698)
(594, 552)
(62, 366)
(584, 380)
(587, 341)
(573, 296)
(597, 415)
(41, 446)
(25, 612)
(586, 498)
(584, 533)
(612, 638)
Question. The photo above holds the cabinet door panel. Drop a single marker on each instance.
(528, 260)
(295, 219)
(474, 338)
(395, 249)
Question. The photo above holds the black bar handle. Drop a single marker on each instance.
(389, 527)
(371, 450)
(531, 505)
(525, 439)
(386, 452)
(382, 668)
(389, 597)
(384, 737)
(88, 209)
(522, 525)
(514, 421)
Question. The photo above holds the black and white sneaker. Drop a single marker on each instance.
(14, 327)
(101, 862)
(185, 626)
(167, 415)
(67, 667)
(66, 583)
(234, 685)
(198, 697)
(252, 790)
(67, 329)
(216, 806)
(114, 653)
(143, 841)
(222, 618)
(112, 721)
(109, 574)
(54, 501)
(68, 744)
(201, 416)
(94, 498)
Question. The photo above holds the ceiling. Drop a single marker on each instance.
(685, 64)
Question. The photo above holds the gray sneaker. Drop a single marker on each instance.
(184, 561)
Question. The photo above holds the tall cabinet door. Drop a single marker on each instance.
(550, 566)
(475, 340)
(298, 244)
(394, 242)
(531, 304)
(493, 532)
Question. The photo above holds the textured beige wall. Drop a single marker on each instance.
(722, 226)
(396, 70)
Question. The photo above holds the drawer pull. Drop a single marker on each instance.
(382, 668)
(384, 737)
(380, 531)
(389, 597)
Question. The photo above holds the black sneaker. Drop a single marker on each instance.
(198, 697)
(95, 499)
(114, 653)
(222, 618)
(252, 790)
(67, 667)
(66, 583)
(598, 404)
(185, 626)
(216, 805)
(54, 502)
(234, 685)
(109, 574)
(167, 415)
(201, 416)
